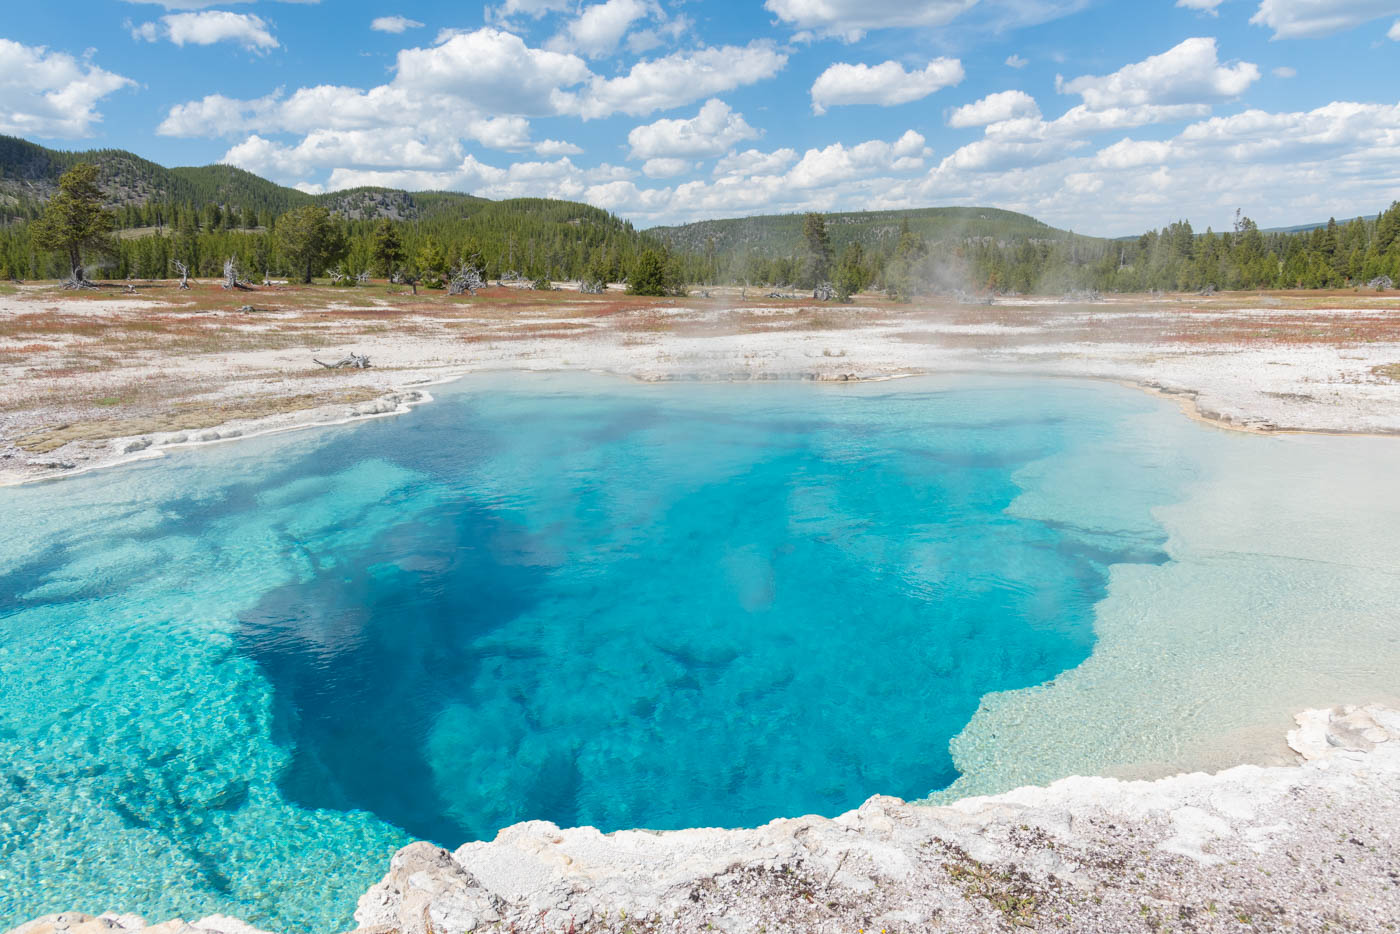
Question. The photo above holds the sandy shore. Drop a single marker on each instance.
(98, 378)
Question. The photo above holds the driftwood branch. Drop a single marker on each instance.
(466, 279)
(353, 361)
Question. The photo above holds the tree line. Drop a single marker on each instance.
(545, 240)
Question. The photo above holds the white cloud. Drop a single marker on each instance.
(1179, 84)
(1394, 31)
(711, 132)
(837, 163)
(1203, 6)
(1312, 19)
(1188, 73)
(676, 79)
(671, 30)
(50, 94)
(1016, 61)
(1277, 166)
(533, 8)
(493, 66)
(752, 162)
(1131, 153)
(851, 19)
(995, 108)
(666, 168)
(394, 24)
(886, 84)
(598, 28)
(557, 147)
(209, 27)
(1284, 71)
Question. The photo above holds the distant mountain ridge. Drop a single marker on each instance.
(29, 174)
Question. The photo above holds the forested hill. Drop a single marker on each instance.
(781, 234)
(146, 194)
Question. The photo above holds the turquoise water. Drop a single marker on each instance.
(240, 668)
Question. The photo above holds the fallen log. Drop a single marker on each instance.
(353, 361)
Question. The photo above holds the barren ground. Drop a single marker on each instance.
(92, 378)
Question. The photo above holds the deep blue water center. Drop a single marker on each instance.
(561, 598)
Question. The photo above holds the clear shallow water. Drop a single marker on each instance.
(240, 668)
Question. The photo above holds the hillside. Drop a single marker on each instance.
(29, 174)
(781, 234)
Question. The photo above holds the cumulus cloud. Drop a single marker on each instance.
(752, 162)
(1203, 6)
(557, 147)
(1016, 61)
(1394, 33)
(711, 132)
(51, 94)
(886, 84)
(209, 27)
(995, 108)
(491, 65)
(1312, 19)
(676, 79)
(1188, 73)
(666, 168)
(394, 24)
(532, 8)
(1181, 83)
(599, 28)
(1130, 153)
(851, 19)
(837, 163)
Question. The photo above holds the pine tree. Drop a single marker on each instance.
(817, 266)
(74, 220)
(310, 239)
(388, 252)
(648, 275)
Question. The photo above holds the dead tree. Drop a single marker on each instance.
(362, 278)
(231, 280)
(338, 276)
(824, 292)
(466, 279)
(592, 286)
(1381, 283)
(353, 361)
(184, 274)
(76, 281)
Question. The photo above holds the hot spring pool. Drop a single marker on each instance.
(242, 668)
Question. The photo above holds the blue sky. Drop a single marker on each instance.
(1103, 116)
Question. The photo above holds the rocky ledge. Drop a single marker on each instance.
(1309, 848)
